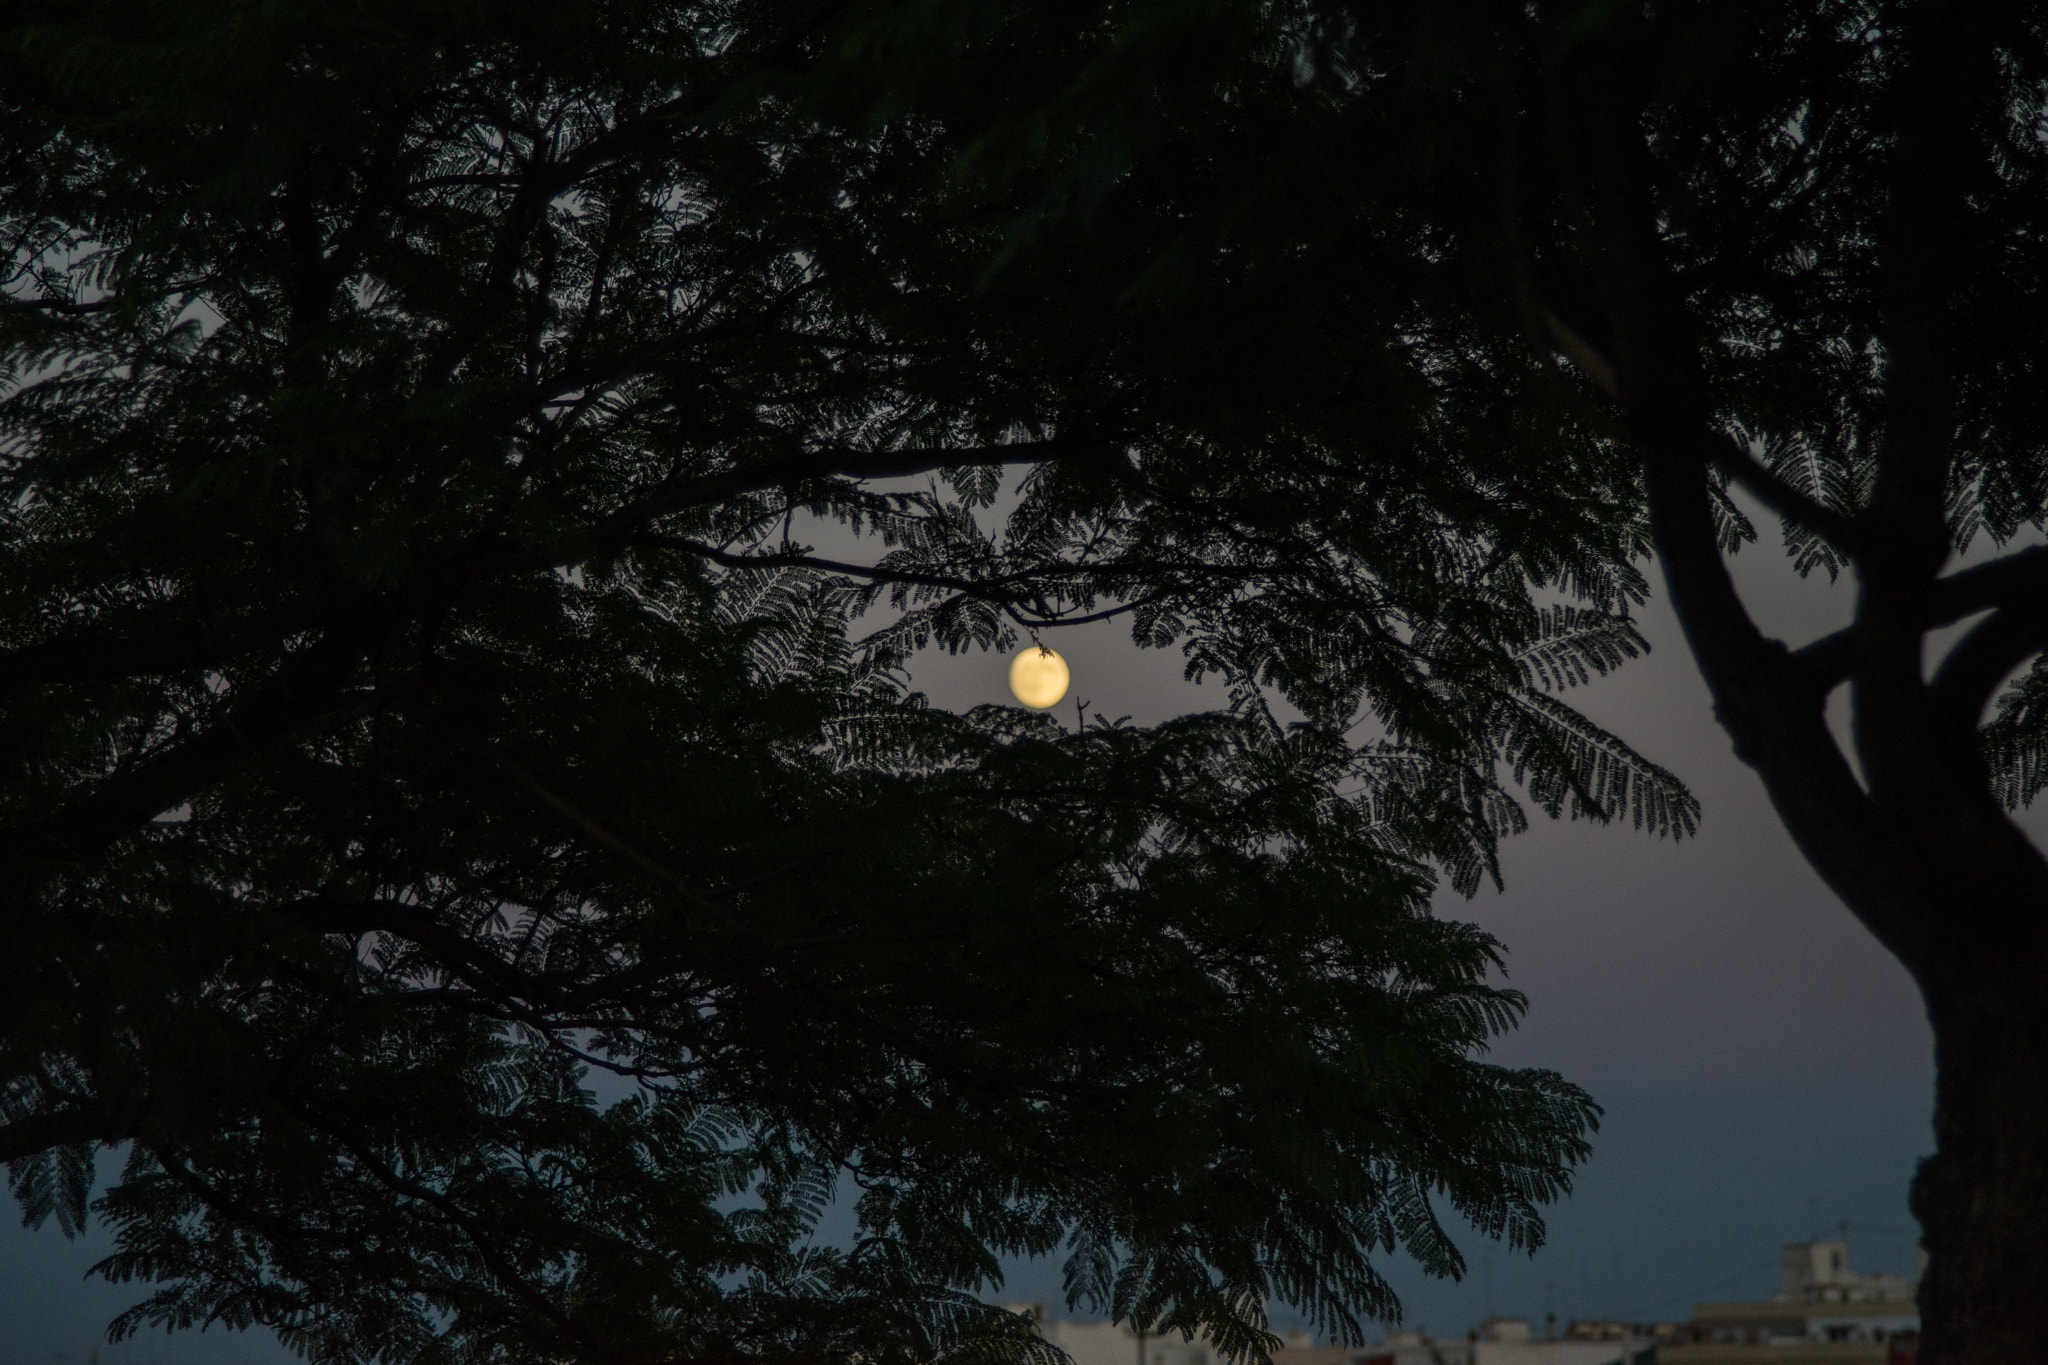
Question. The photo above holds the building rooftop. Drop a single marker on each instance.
(1778, 1311)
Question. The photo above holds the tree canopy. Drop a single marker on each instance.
(1763, 255)
(418, 696)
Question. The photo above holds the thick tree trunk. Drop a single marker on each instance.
(1982, 1199)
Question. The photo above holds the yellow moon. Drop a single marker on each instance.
(1038, 677)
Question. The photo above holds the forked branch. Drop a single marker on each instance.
(2016, 584)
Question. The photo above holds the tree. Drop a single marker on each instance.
(415, 697)
(1793, 250)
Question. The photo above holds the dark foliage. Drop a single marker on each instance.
(417, 695)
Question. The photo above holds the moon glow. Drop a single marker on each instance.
(1038, 677)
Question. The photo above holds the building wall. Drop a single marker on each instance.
(1819, 1272)
(1113, 1343)
(1108, 1343)
(1564, 1352)
(1789, 1322)
(1790, 1353)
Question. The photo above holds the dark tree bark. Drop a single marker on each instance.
(1981, 1197)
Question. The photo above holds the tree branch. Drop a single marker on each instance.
(1723, 452)
(986, 589)
(1827, 662)
(1047, 621)
(673, 495)
(100, 660)
(2015, 582)
(66, 306)
(1983, 658)
(307, 692)
(631, 136)
(57, 1128)
(1726, 454)
(1582, 353)
(1950, 73)
(454, 953)
(576, 816)
(88, 659)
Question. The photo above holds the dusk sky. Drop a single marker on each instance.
(1765, 1066)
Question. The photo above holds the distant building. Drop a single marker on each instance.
(1607, 1329)
(1513, 1341)
(1771, 1324)
(1114, 1343)
(1398, 1348)
(1822, 1299)
(1818, 1272)
(1499, 1341)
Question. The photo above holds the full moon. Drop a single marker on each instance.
(1038, 677)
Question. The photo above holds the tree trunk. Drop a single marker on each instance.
(1982, 1199)
(1915, 844)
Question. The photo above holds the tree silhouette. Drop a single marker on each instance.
(416, 697)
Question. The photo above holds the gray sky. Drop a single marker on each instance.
(1765, 1066)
